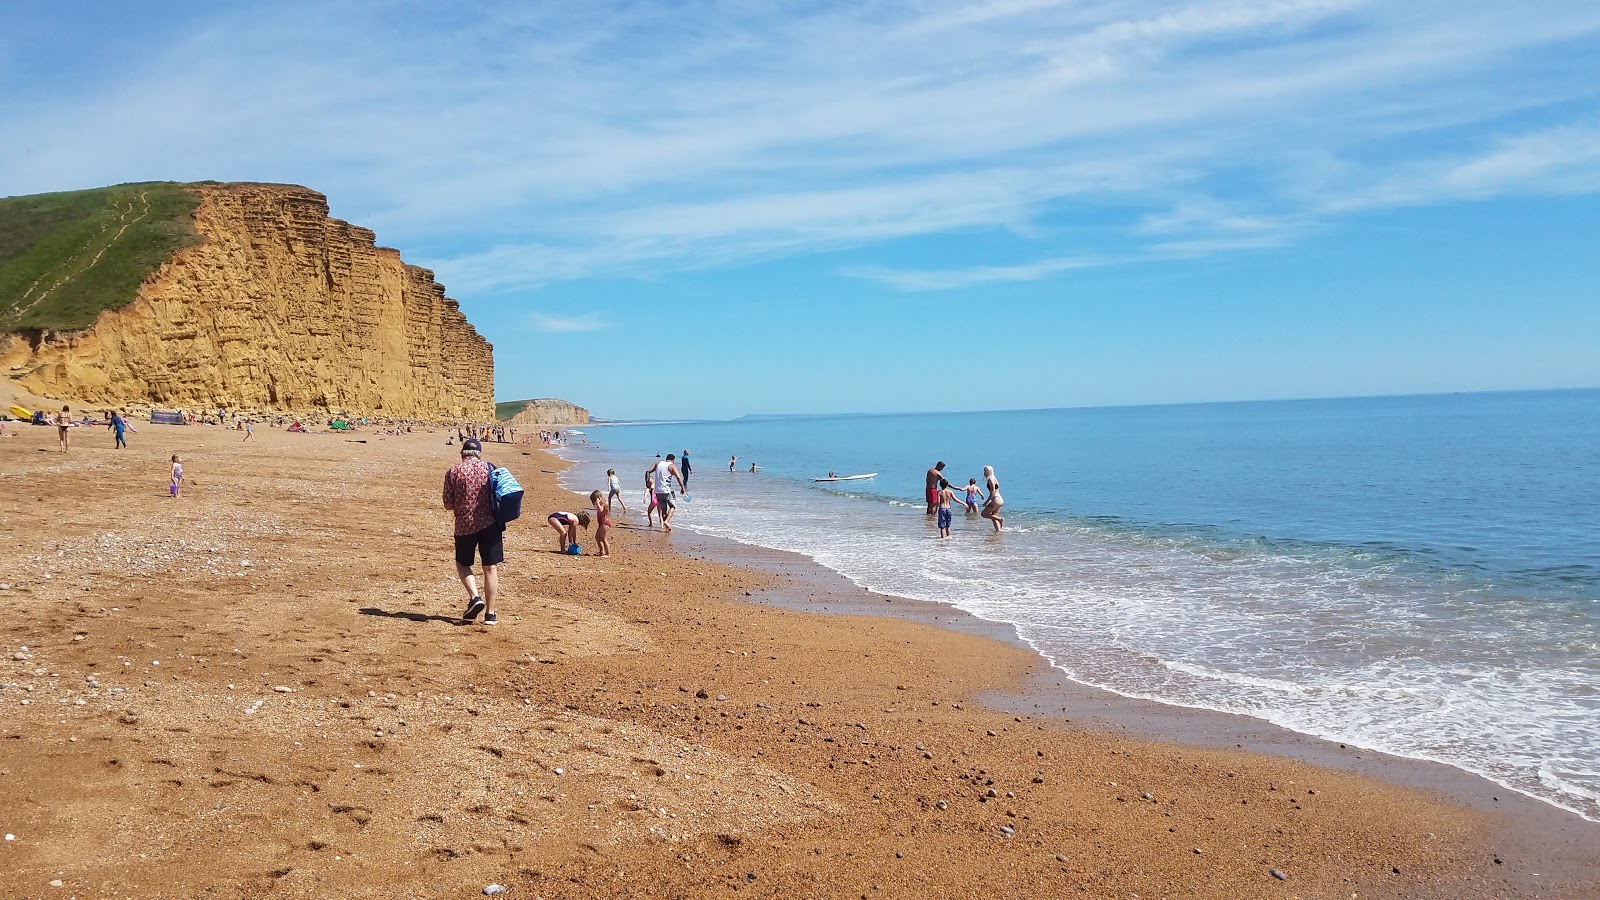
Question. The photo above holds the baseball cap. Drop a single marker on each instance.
(471, 444)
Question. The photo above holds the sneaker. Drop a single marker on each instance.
(491, 619)
(474, 607)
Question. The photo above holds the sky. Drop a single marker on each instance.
(708, 209)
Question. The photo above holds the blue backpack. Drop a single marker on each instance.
(505, 493)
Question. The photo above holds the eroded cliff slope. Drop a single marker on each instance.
(544, 411)
(280, 307)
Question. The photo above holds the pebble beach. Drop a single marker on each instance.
(262, 689)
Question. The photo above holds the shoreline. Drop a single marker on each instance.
(1537, 846)
(263, 688)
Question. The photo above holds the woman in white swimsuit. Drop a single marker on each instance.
(991, 508)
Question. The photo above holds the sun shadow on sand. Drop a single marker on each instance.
(411, 616)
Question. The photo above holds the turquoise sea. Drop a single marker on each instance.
(1418, 575)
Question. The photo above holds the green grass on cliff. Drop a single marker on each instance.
(65, 258)
(504, 411)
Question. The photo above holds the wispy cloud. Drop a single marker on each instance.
(952, 279)
(567, 324)
(577, 140)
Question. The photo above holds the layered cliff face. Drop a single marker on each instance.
(278, 307)
(548, 412)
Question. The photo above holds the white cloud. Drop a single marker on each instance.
(567, 324)
(600, 139)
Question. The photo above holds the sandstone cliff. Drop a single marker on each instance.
(548, 412)
(279, 307)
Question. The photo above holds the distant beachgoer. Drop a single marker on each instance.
(649, 499)
(662, 474)
(934, 476)
(731, 461)
(614, 489)
(249, 429)
(754, 467)
(63, 422)
(973, 493)
(121, 427)
(946, 496)
(991, 507)
(602, 523)
(176, 484)
(467, 494)
(684, 468)
(566, 526)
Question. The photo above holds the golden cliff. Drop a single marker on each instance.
(279, 307)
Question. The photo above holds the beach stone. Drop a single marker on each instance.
(1146, 797)
(991, 793)
(1278, 874)
(1061, 858)
(722, 697)
(1007, 830)
(284, 689)
(55, 882)
(941, 805)
(493, 889)
(701, 694)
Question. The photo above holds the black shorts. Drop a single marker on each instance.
(489, 544)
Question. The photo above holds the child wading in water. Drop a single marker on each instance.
(566, 526)
(946, 498)
(649, 501)
(973, 493)
(177, 476)
(614, 490)
(602, 523)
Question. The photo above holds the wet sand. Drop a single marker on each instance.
(261, 689)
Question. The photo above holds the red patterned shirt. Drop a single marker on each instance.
(466, 491)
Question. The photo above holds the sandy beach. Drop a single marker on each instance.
(261, 689)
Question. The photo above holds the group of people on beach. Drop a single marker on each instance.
(942, 498)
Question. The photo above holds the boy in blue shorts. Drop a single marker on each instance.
(946, 497)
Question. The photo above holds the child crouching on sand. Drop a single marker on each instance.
(566, 526)
(602, 523)
(177, 477)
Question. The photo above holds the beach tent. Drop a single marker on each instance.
(166, 417)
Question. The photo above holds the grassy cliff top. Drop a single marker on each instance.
(66, 257)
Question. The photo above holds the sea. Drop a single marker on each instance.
(1417, 575)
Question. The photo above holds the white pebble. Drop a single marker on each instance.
(11, 837)
(561, 771)
(284, 689)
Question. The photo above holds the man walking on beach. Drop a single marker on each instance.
(685, 470)
(661, 475)
(466, 493)
(935, 474)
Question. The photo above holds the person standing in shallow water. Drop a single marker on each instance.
(991, 507)
(931, 493)
(683, 469)
(466, 493)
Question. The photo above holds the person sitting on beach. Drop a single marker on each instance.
(566, 526)
(973, 493)
(602, 523)
(945, 497)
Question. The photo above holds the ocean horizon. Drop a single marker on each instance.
(1413, 574)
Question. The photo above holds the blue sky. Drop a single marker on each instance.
(710, 209)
